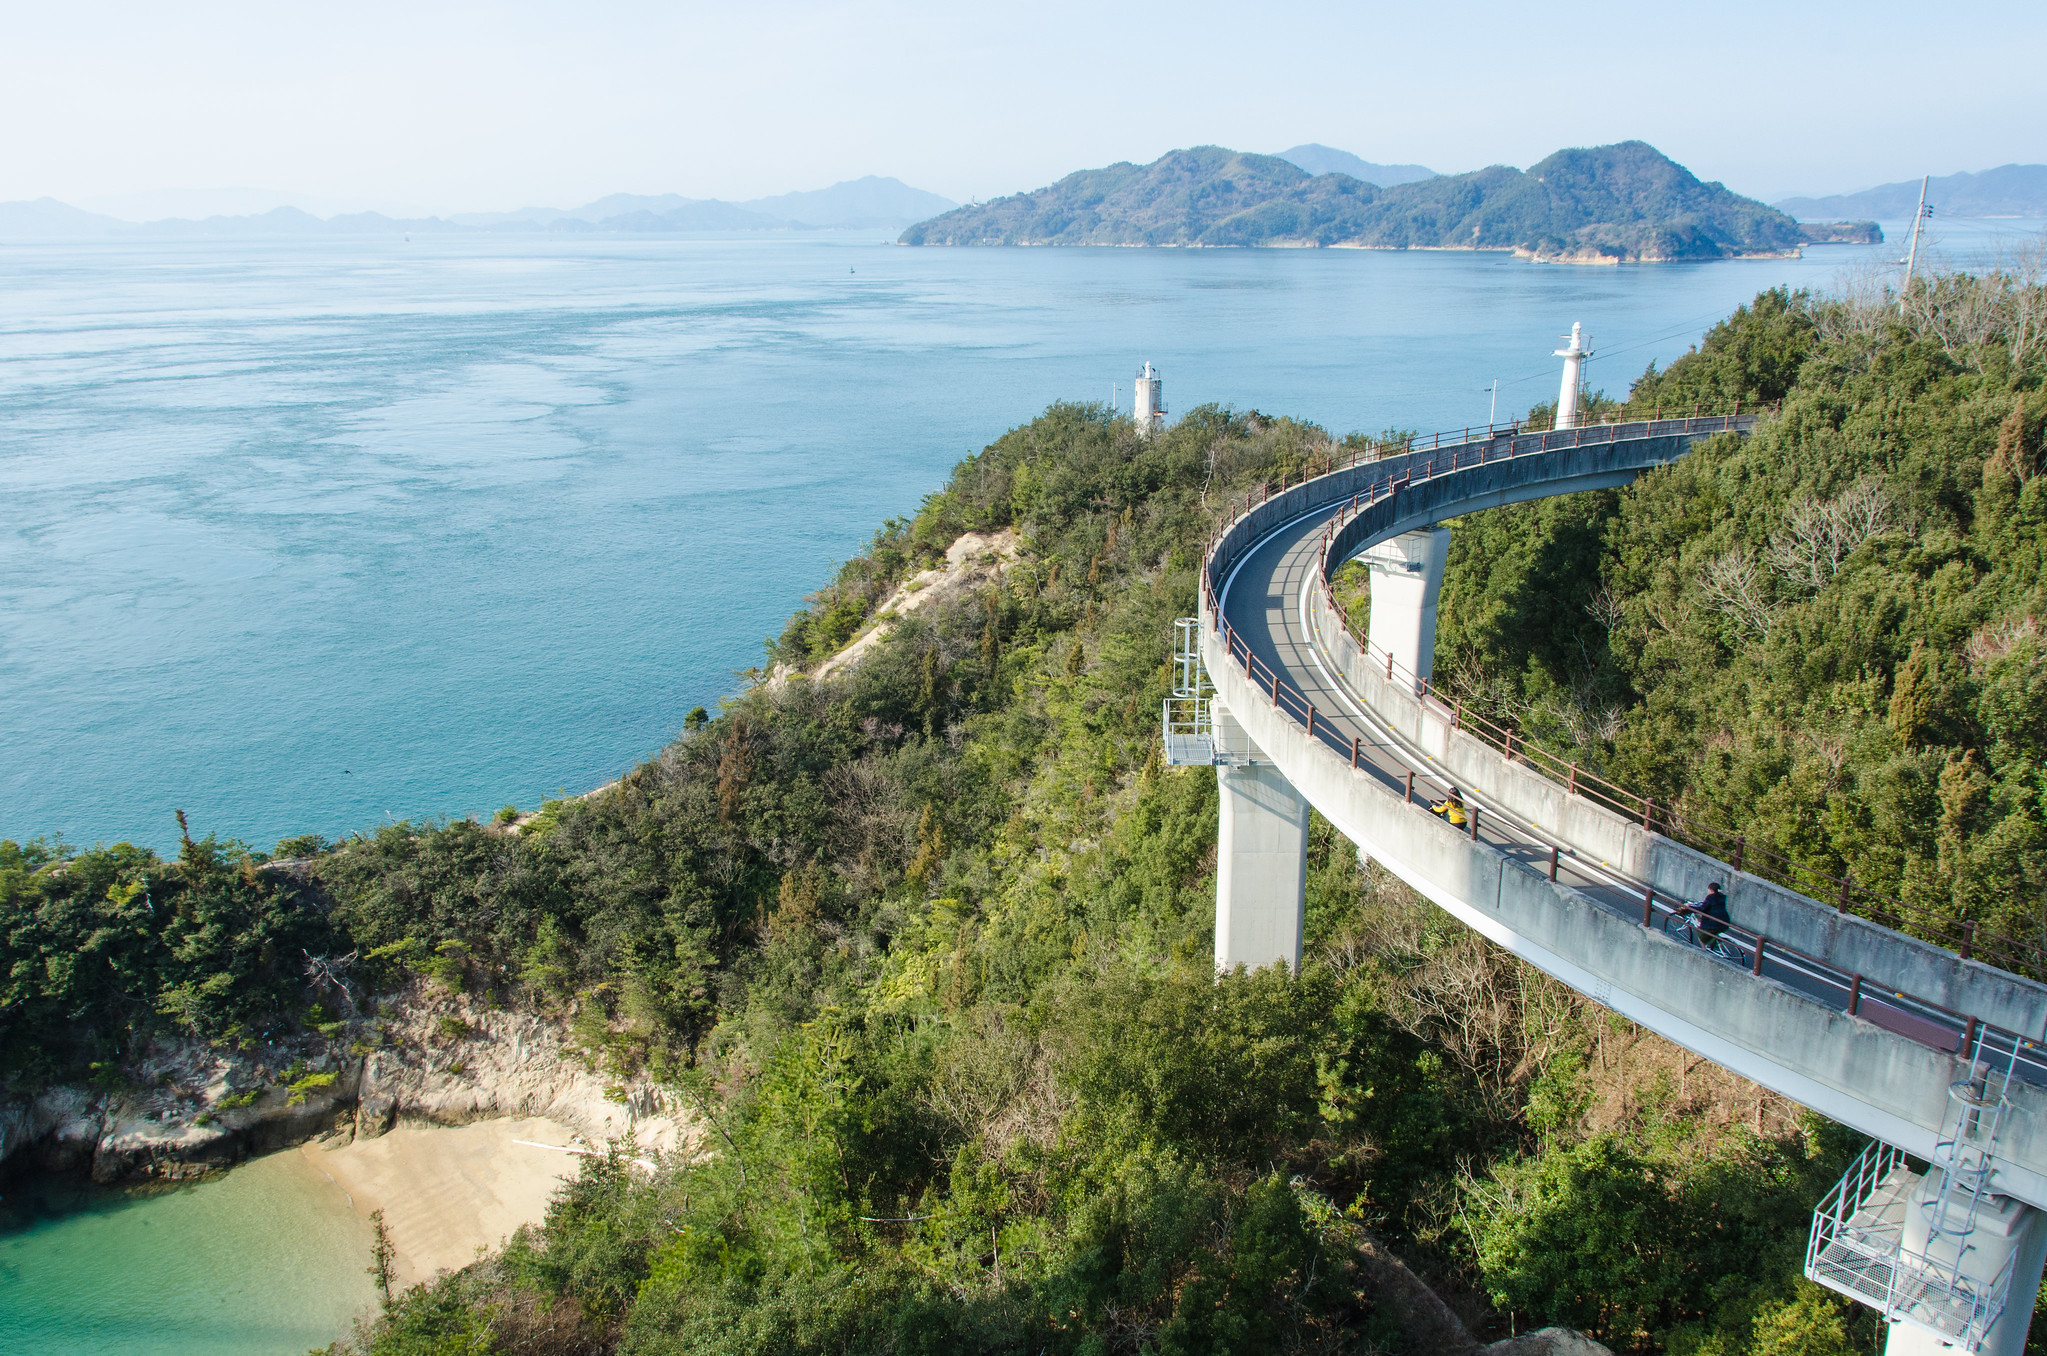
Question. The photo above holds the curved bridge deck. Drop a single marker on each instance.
(1864, 1024)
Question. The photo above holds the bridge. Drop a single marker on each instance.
(1933, 1051)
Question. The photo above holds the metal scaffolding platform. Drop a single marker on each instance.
(1193, 736)
(1933, 1250)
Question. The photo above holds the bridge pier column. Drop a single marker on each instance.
(1261, 869)
(2004, 1229)
(1407, 578)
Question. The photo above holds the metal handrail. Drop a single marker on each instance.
(1869, 1259)
(1967, 939)
(1919, 1019)
(1553, 439)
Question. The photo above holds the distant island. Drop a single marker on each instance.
(1319, 159)
(873, 202)
(1623, 203)
(2007, 191)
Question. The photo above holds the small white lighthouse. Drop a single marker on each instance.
(1149, 409)
(1574, 369)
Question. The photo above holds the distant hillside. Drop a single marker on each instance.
(669, 212)
(868, 203)
(872, 201)
(291, 221)
(1319, 159)
(1607, 204)
(2007, 191)
(48, 219)
(1182, 198)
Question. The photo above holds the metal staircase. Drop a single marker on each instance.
(1193, 737)
(1934, 1250)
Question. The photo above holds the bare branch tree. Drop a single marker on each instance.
(1994, 640)
(1605, 607)
(1820, 534)
(1584, 718)
(1733, 584)
(331, 972)
(1672, 614)
(2025, 268)
(1864, 302)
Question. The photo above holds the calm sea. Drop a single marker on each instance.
(305, 536)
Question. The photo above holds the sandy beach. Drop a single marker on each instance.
(448, 1194)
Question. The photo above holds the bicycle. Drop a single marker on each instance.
(1685, 926)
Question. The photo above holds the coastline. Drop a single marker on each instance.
(1578, 257)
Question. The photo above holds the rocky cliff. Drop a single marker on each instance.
(187, 1108)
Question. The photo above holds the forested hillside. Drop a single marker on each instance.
(929, 943)
(1826, 638)
(1600, 204)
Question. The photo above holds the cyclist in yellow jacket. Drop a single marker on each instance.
(1451, 807)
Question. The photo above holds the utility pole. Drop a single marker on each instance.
(1492, 413)
(1912, 255)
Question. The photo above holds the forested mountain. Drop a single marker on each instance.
(2007, 191)
(1605, 204)
(929, 942)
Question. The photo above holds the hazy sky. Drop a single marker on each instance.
(451, 107)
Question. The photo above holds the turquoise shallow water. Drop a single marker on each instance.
(301, 535)
(266, 1261)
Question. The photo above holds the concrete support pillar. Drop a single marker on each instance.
(2005, 1228)
(1261, 869)
(1407, 579)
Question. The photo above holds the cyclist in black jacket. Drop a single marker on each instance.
(1713, 908)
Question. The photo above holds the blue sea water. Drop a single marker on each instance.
(306, 535)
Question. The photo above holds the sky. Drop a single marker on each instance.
(443, 107)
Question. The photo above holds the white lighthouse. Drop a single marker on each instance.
(1574, 369)
(1149, 409)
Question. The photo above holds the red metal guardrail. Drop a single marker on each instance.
(1918, 1019)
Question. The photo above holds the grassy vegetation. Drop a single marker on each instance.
(930, 944)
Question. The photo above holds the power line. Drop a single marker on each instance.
(1685, 327)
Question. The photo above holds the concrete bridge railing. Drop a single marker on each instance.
(1890, 961)
(1847, 1069)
